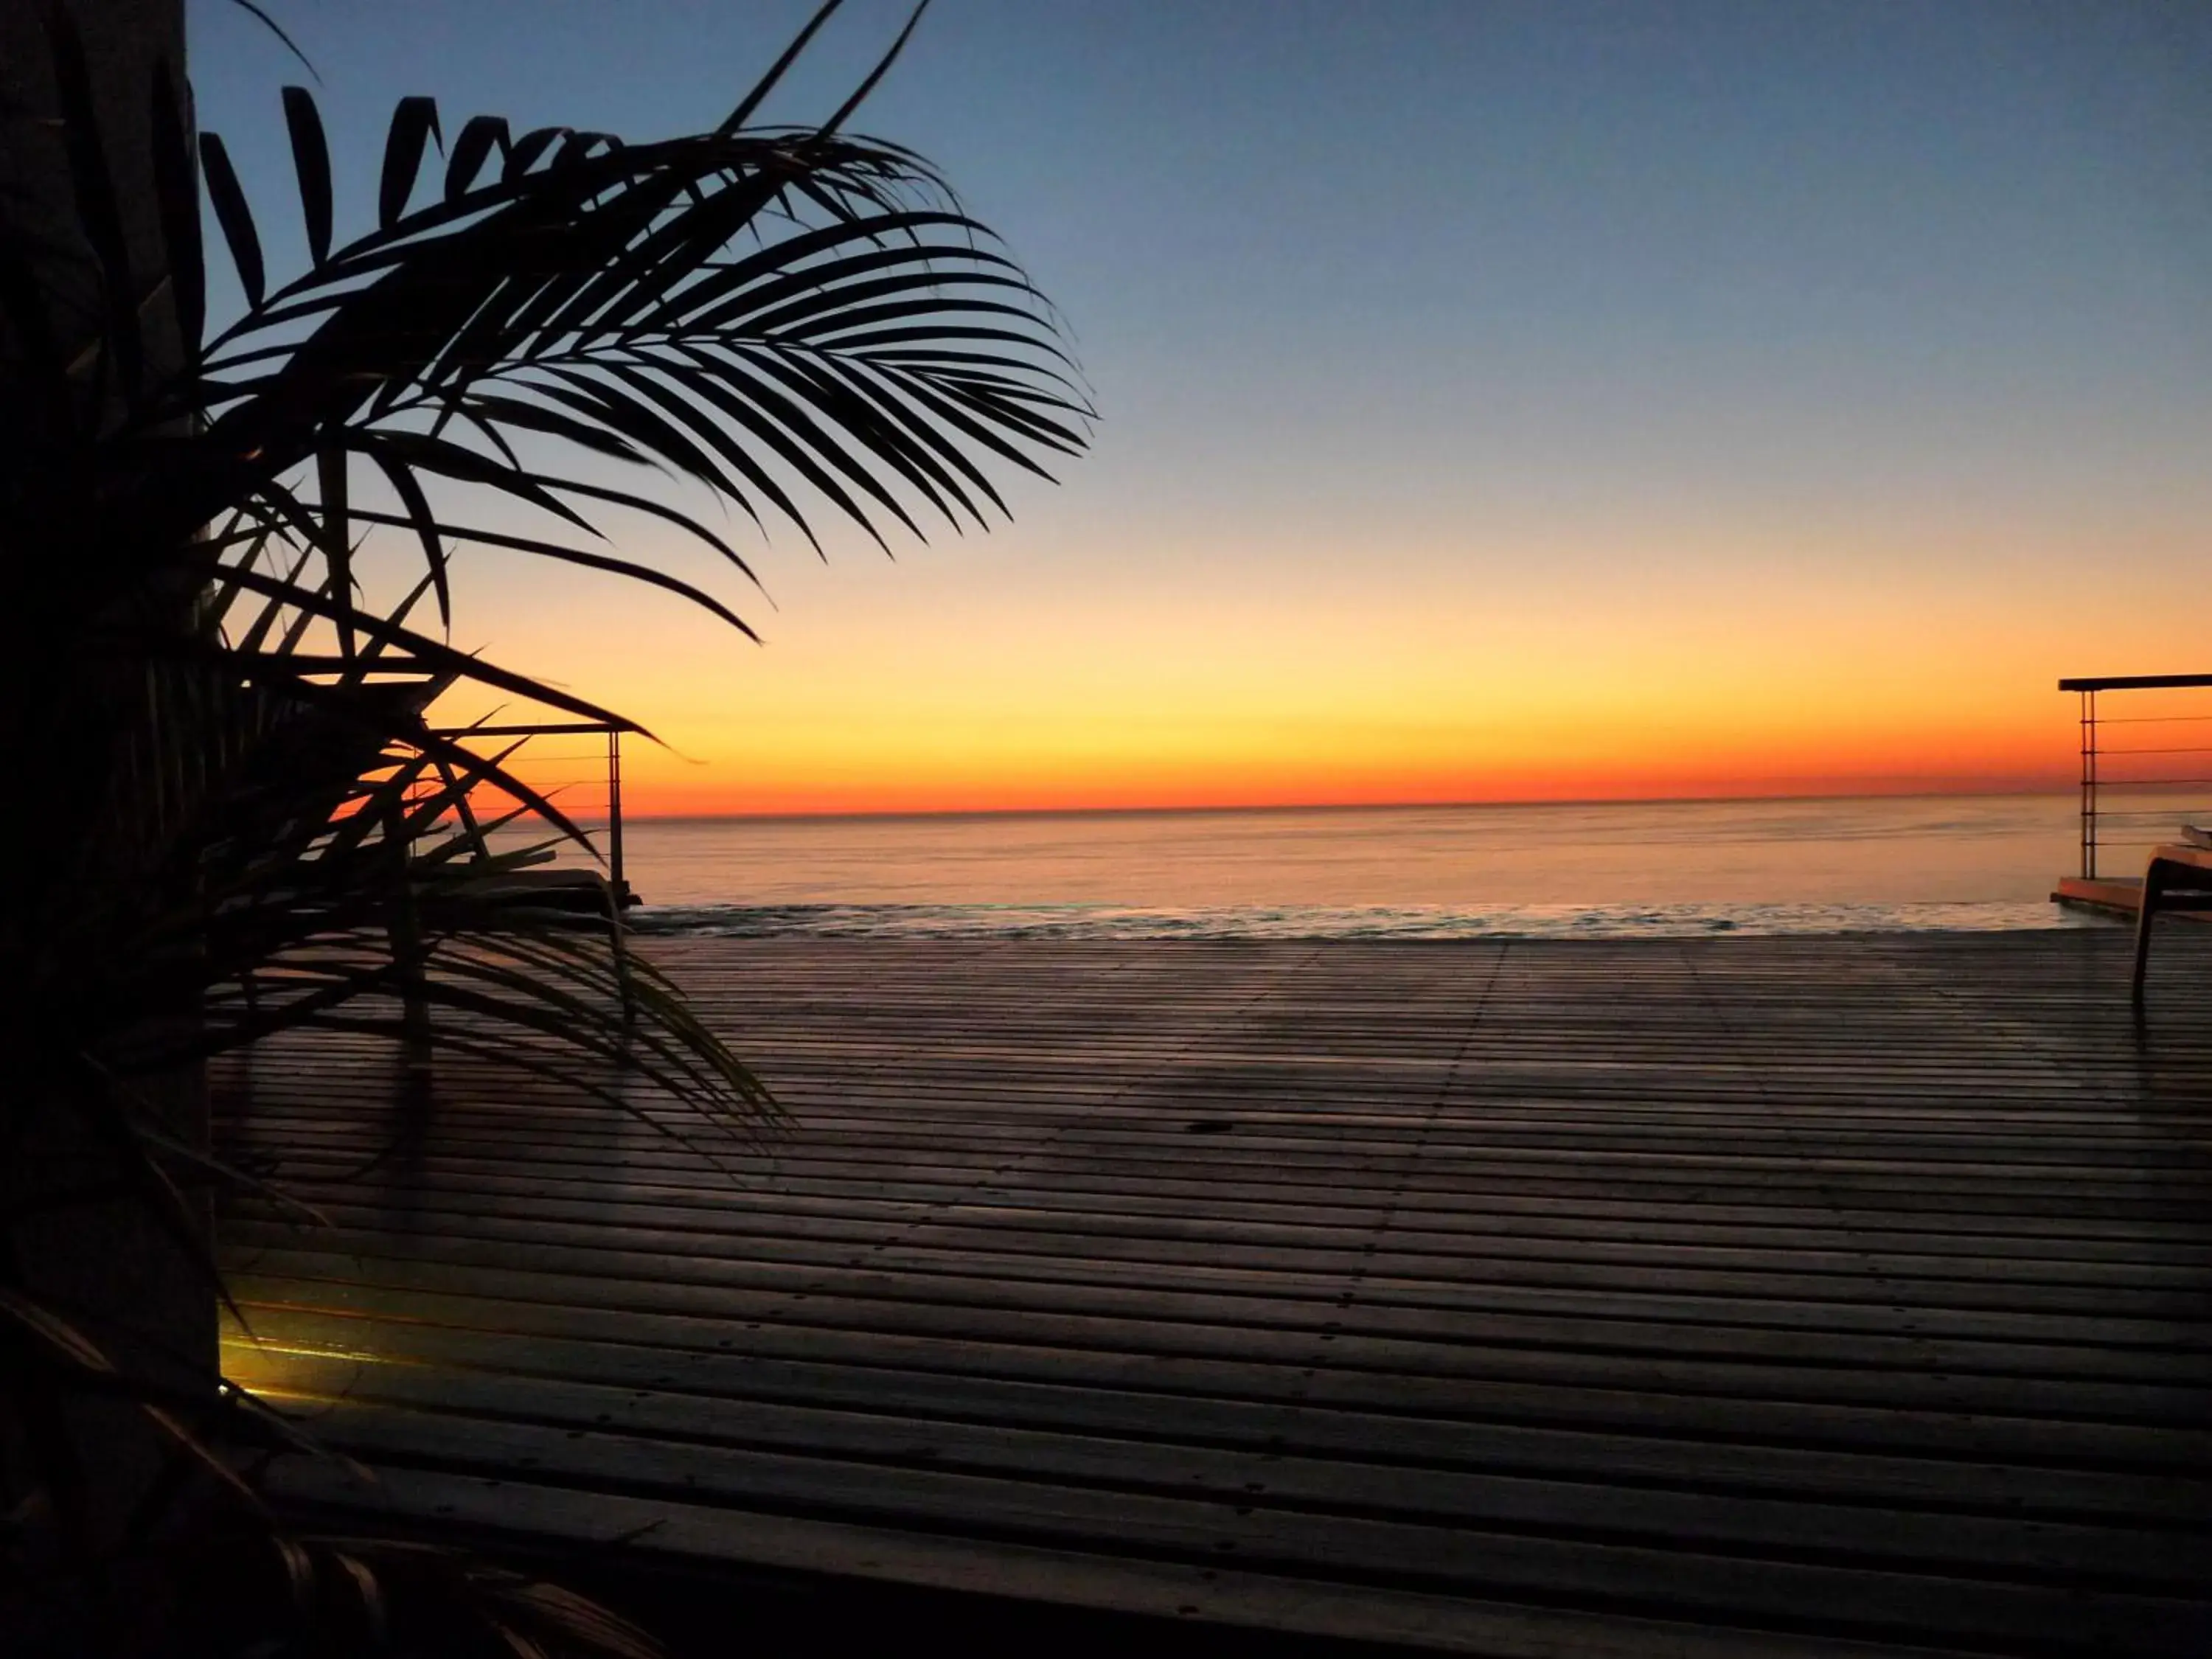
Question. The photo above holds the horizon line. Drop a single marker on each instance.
(2052, 788)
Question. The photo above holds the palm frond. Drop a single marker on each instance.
(772, 315)
(249, 824)
(606, 303)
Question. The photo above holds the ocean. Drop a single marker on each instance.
(1680, 868)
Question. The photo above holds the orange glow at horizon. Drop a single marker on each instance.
(1012, 781)
(995, 676)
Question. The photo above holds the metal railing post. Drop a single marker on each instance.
(2088, 784)
(614, 811)
(617, 892)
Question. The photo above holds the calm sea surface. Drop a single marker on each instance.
(1552, 871)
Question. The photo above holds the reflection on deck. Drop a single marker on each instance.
(1741, 1296)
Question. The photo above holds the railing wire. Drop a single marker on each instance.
(2134, 796)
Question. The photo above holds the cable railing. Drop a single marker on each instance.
(2145, 772)
(575, 764)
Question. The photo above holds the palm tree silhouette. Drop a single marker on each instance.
(237, 816)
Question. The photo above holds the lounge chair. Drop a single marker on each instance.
(2178, 877)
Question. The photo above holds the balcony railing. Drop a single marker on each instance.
(2145, 771)
(576, 764)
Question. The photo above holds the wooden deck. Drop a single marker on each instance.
(2119, 897)
(1742, 1298)
(2113, 896)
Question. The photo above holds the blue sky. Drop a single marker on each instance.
(1697, 316)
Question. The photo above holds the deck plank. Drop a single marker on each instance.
(1847, 1294)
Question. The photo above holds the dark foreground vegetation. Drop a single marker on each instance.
(230, 551)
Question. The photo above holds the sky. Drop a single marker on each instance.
(1499, 401)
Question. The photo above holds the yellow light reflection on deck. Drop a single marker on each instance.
(276, 1370)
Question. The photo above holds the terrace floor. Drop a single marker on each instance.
(1733, 1297)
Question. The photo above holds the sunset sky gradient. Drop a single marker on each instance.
(1501, 401)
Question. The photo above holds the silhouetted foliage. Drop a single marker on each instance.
(239, 819)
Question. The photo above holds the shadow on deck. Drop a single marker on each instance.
(1749, 1297)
